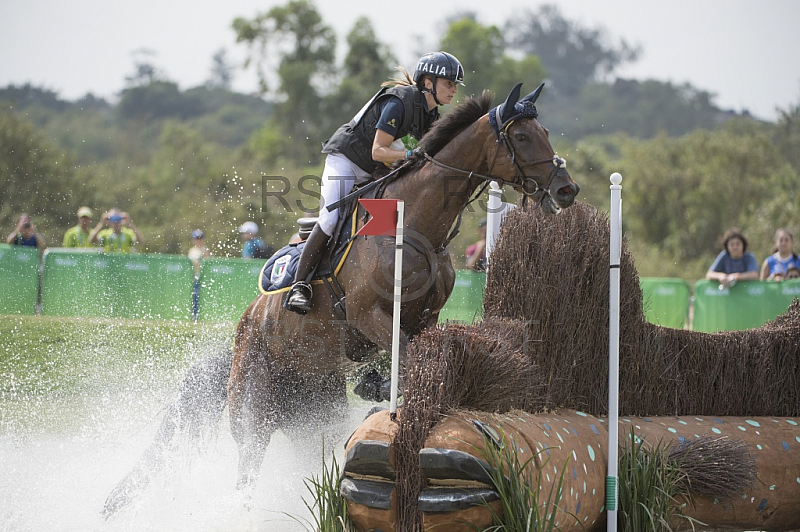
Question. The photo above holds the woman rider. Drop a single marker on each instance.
(360, 147)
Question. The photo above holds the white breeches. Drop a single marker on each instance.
(337, 181)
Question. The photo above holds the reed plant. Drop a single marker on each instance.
(327, 506)
(652, 486)
(520, 487)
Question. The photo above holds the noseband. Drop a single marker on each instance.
(530, 187)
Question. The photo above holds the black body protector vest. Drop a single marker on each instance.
(354, 139)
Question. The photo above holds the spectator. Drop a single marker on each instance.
(792, 272)
(79, 236)
(119, 235)
(253, 247)
(26, 234)
(476, 253)
(197, 253)
(776, 265)
(734, 263)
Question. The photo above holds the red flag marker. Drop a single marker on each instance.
(384, 217)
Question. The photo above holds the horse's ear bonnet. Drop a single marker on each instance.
(511, 109)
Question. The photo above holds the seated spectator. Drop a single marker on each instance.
(79, 236)
(254, 247)
(776, 265)
(733, 263)
(792, 272)
(476, 253)
(26, 234)
(120, 235)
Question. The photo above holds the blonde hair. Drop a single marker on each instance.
(404, 80)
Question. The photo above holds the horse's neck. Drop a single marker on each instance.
(435, 195)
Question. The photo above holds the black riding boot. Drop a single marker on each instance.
(299, 298)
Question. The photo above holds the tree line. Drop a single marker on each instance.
(210, 157)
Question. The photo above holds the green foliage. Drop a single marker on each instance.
(26, 96)
(179, 159)
(787, 136)
(293, 42)
(685, 192)
(368, 63)
(482, 52)
(519, 484)
(479, 48)
(36, 175)
(650, 488)
(158, 99)
(328, 508)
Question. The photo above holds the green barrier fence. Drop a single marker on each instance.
(153, 286)
(666, 301)
(19, 272)
(466, 301)
(138, 286)
(745, 305)
(227, 287)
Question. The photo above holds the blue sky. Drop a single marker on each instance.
(740, 50)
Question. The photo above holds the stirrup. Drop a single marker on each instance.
(299, 297)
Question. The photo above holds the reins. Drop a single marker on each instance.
(557, 162)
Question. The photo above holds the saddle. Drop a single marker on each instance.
(278, 272)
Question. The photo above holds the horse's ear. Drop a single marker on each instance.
(534, 95)
(506, 110)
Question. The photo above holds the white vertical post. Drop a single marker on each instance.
(398, 285)
(613, 352)
(496, 211)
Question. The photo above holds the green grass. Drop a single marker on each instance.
(327, 506)
(525, 505)
(50, 363)
(650, 485)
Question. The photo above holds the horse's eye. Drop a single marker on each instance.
(521, 137)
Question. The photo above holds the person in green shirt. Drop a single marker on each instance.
(119, 235)
(80, 235)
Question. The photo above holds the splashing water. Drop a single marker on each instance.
(73, 426)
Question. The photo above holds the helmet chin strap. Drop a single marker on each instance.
(433, 92)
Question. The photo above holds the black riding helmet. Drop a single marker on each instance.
(438, 65)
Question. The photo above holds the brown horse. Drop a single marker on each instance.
(284, 363)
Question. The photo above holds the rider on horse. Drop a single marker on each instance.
(371, 139)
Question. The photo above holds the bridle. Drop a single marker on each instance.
(521, 181)
(527, 185)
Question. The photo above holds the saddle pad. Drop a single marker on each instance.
(278, 272)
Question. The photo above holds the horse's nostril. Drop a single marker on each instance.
(568, 190)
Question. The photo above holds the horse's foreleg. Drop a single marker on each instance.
(379, 324)
(252, 413)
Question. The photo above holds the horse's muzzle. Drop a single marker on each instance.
(563, 189)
